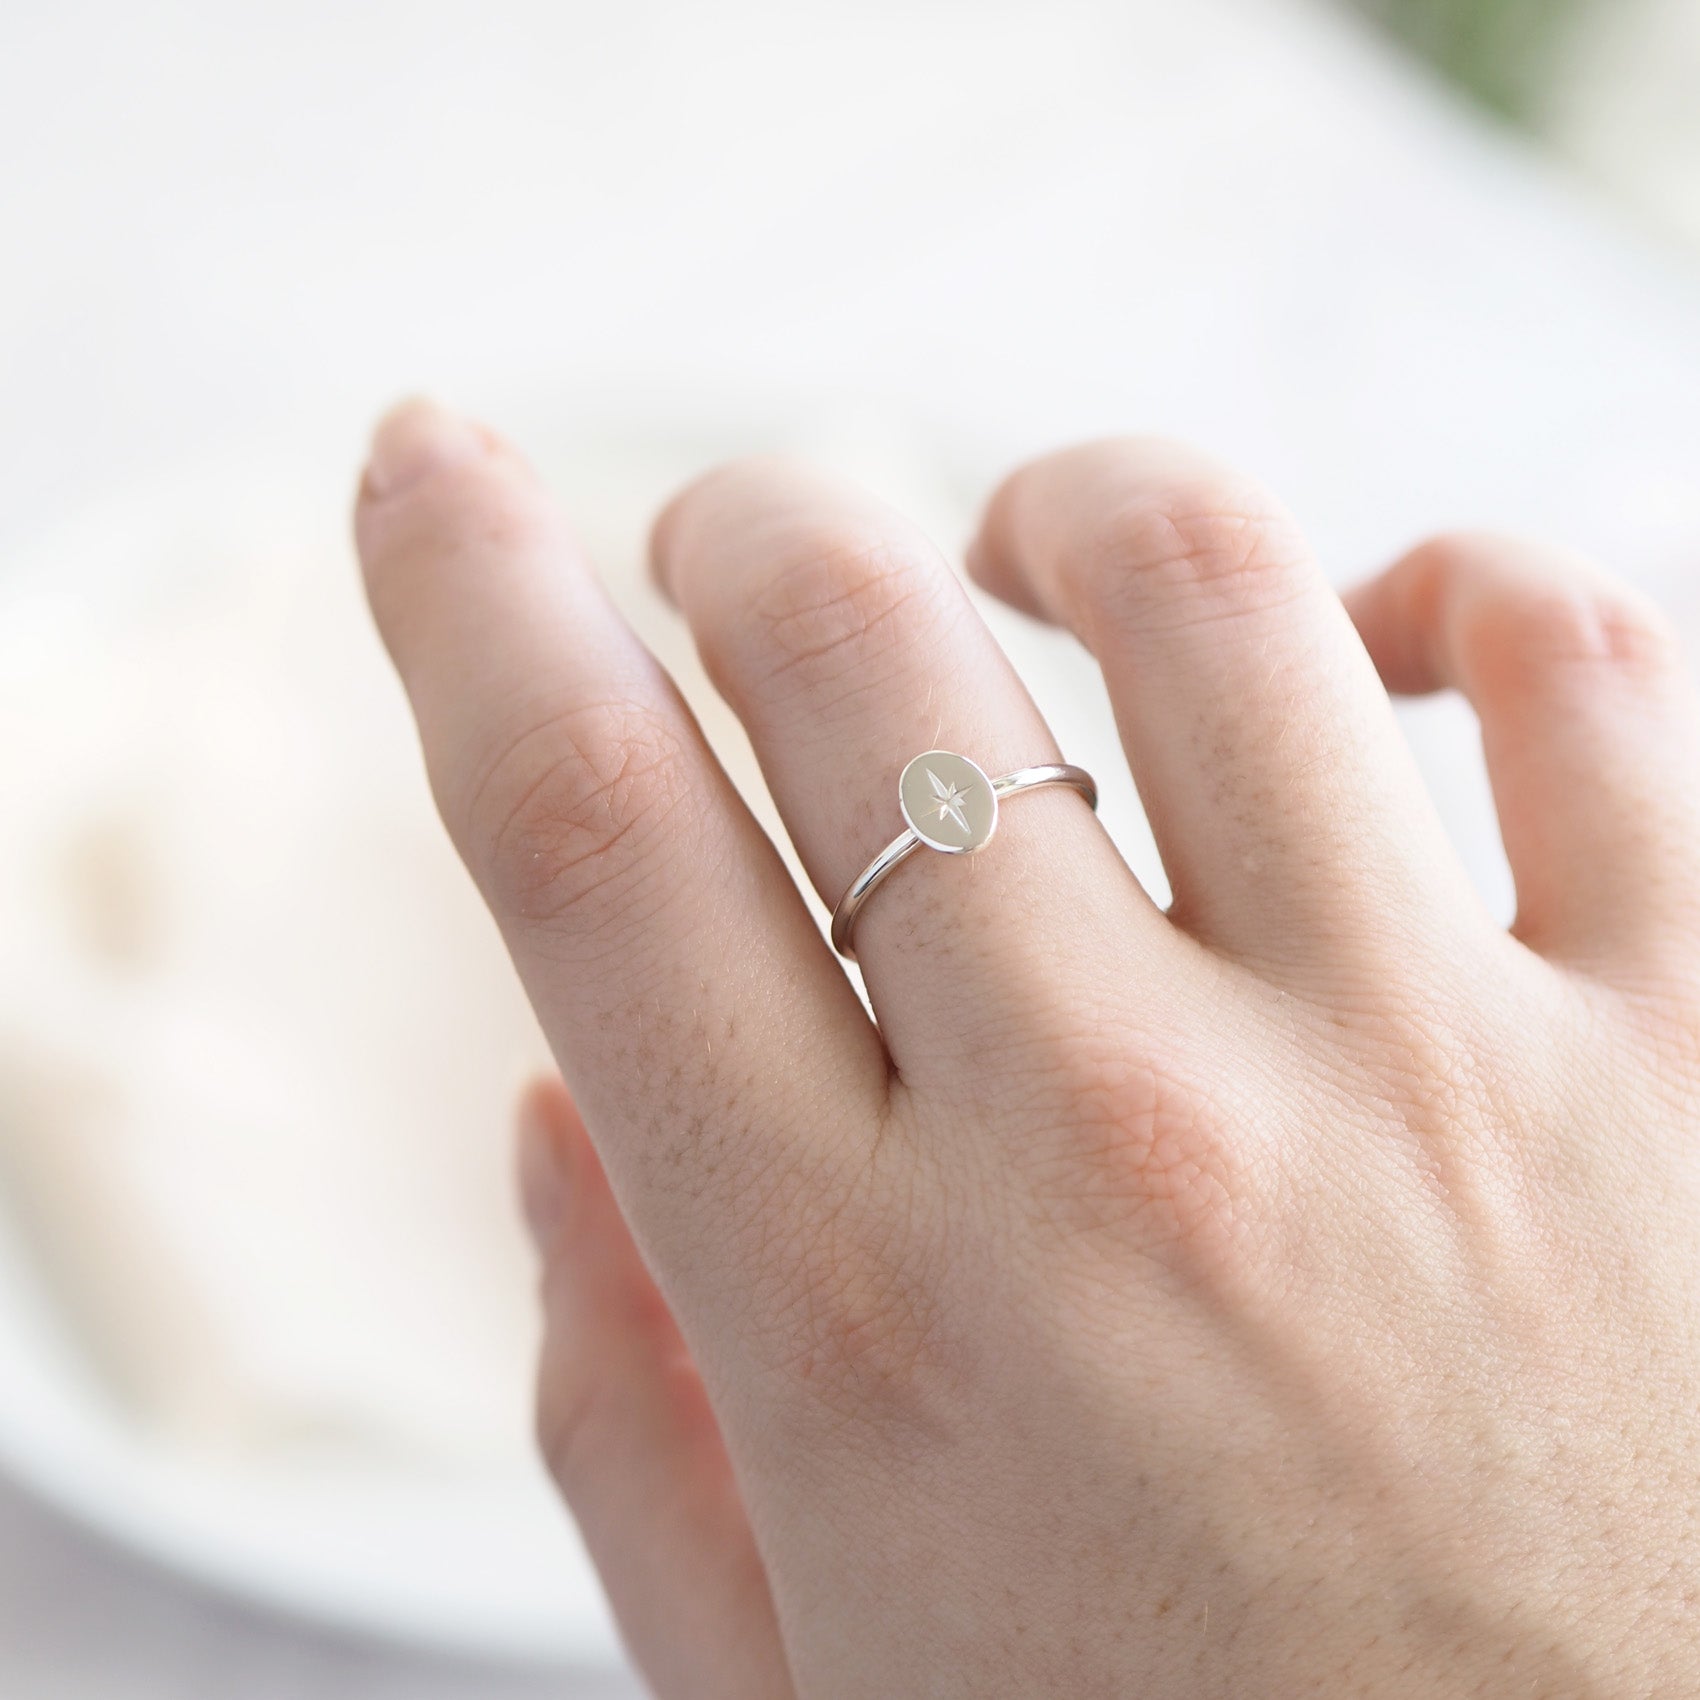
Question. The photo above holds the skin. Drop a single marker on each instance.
(1293, 1293)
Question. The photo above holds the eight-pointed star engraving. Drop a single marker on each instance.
(950, 801)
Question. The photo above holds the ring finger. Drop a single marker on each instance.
(847, 646)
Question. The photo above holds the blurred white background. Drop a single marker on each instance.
(924, 238)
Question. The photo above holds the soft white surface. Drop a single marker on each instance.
(81, 1620)
(1236, 222)
(257, 1036)
(263, 1307)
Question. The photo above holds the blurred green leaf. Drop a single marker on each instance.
(1501, 51)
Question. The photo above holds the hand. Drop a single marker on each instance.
(1295, 1293)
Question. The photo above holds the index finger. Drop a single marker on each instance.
(693, 1005)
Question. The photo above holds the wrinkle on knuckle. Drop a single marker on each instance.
(564, 1418)
(1185, 554)
(855, 1312)
(860, 1334)
(566, 807)
(833, 608)
(1145, 1152)
(1565, 633)
(606, 1354)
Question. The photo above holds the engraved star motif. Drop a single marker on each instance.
(950, 801)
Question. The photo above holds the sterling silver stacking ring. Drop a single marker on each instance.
(951, 806)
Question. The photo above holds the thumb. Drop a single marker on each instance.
(630, 1439)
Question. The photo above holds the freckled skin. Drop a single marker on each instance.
(1295, 1294)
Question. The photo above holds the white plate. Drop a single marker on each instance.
(483, 1564)
(481, 1560)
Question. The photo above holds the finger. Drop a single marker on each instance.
(847, 646)
(1589, 725)
(1288, 811)
(667, 954)
(629, 1437)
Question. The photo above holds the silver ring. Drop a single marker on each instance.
(951, 806)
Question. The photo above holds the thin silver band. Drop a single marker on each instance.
(907, 842)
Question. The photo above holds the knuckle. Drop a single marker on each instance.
(566, 1415)
(834, 604)
(1147, 1153)
(855, 1315)
(1202, 548)
(861, 1338)
(1569, 630)
(567, 809)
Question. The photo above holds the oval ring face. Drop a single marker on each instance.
(948, 802)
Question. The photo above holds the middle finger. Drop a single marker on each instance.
(846, 645)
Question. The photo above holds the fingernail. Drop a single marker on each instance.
(545, 1181)
(417, 437)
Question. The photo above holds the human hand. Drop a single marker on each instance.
(1295, 1293)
